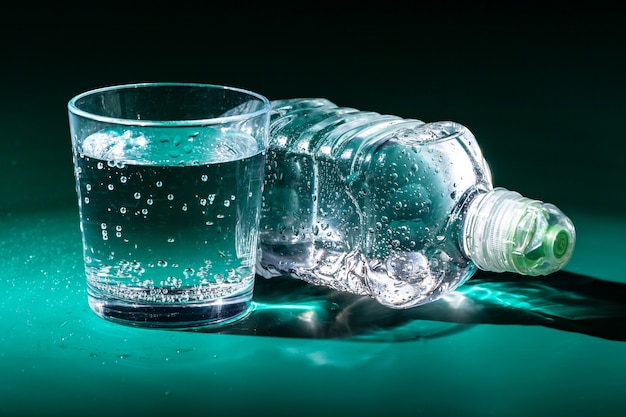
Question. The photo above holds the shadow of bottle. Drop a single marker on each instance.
(285, 307)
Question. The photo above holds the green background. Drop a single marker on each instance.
(542, 88)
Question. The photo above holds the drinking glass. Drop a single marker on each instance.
(169, 178)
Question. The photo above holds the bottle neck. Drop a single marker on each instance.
(506, 232)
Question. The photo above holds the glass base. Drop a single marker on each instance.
(174, 316)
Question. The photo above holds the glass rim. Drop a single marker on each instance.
(74, 109)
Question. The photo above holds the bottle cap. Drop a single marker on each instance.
(505, 231)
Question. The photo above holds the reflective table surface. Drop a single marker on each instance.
(500, 345)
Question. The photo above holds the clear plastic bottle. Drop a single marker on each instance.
(396, 209)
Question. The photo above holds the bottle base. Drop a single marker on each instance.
(211, 313)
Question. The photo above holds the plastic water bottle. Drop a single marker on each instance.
(396, 209)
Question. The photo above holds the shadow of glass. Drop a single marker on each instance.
(285, 307)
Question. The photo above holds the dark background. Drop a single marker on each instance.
(541, 85)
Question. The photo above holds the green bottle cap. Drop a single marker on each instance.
(505, 231)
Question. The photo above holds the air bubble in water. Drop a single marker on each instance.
(137, 195)
(161, 263)
(123, 179)
(226, 203)
(159, 184)
(123, 210)
(110, 187)
(170, 197)
(204, 177)
(149, 201)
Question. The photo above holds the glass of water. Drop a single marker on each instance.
(169, 178)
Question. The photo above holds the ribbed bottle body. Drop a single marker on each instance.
(368, 203)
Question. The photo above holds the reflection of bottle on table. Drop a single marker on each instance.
(393, 208)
